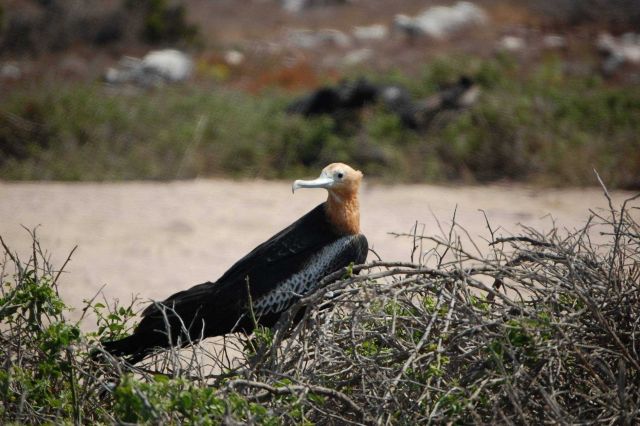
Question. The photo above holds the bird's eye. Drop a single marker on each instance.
(340, 175)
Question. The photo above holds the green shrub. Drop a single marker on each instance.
(163, 21)
(541, 328)
(36, 349)
(539, 124)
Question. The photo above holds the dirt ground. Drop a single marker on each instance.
(152, 239)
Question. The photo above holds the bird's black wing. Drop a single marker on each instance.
(212, 309)
(261, 270)
(325, 100)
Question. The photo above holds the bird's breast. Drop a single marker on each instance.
(327, 260)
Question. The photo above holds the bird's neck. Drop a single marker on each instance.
(343, 211)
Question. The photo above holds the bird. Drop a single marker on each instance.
(417, 115)
(351, 96)
(262, 285)
(348, 95)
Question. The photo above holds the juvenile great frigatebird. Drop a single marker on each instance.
(271, 277)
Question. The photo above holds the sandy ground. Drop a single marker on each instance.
(152, 239)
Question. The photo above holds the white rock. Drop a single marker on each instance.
(441, 21)
(128, 70)
(626, 47)
(606, 43)
(407, 24)
(309, 39)
(358, 56)
(335, 36)
(156, 68)
(391, 94)
(296, 6)
(170, 64)
(112, 75)
(511, 43)
(10, 71)
(631, 47)
(234, 57)
(371, 32)
(554, 41)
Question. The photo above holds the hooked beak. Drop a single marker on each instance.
(321, 182)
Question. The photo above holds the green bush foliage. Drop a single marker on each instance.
(163, 21)
(539, 124)
(541, 328)
(26, 27)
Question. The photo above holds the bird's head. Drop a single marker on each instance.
(339, 179)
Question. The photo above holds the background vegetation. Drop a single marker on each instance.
(542, 328)
(25, 24)
(532, 123)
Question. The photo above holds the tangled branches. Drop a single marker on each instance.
(535, 328)
(544, 328)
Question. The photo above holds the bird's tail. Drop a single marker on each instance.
(131, 348)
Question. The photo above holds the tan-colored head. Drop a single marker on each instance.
(342, 205)
(338, 178)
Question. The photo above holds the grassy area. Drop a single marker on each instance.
(532, 123)
(542, 329)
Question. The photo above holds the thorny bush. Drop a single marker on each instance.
(538, 327)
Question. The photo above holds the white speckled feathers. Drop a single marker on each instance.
(326, 261)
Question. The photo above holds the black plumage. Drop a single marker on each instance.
(349, 97)
(308, 249)
(346, 96)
